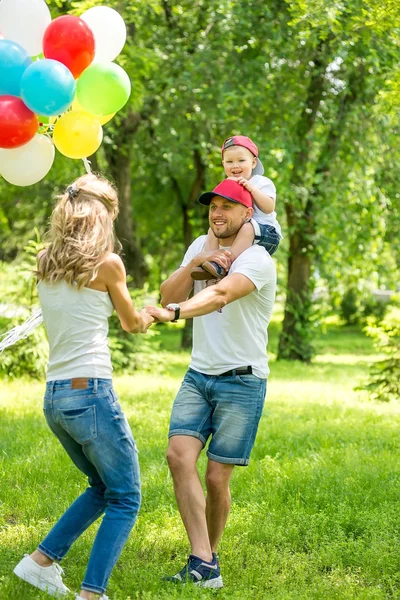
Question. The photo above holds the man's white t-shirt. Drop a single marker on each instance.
(237, 336)
(266, 186)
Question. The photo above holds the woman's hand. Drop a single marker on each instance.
(147, 320)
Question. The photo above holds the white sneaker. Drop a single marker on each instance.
(47, 579)
(103, 597)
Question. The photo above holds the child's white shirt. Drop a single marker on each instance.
(266, 186)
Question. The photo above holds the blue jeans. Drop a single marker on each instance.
(93, 430)
(227, 408)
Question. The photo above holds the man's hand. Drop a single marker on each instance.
(160, 315)
(222, 257)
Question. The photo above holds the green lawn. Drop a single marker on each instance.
(315, 515)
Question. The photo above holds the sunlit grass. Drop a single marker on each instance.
(315, 515)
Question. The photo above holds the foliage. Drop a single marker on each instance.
(315, 85)
(384, 382)
(298, 340)
(19, 300)
(349, 308)
(374, 308)
(29, 356)
(357, 305)
(131, 352)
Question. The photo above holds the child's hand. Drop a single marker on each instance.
(222, 257)
(245, 183)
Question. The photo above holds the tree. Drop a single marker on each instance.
(314, 84)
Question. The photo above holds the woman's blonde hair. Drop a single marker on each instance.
(81, 232)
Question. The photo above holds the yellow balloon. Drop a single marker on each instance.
(103, 119)
(77, 134)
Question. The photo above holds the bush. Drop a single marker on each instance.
(384, 383)
(350, 307)
(357, 306)
(19, 300)
(131, 352)
(374, 308)
(27, 357)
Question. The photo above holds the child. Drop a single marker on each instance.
(241, 162)
(81, 282)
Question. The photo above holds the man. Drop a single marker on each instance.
(223, 392)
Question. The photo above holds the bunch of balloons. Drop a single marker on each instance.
(57, 79)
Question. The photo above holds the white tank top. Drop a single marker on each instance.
(76, 323)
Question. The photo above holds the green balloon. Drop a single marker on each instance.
(103, 88)
(37, 57)
(43, 120)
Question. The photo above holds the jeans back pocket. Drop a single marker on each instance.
(80, 423)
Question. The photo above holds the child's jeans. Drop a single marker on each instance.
(89, 423)
(266, 236)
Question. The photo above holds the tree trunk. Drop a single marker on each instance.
(119, 160)
(186, 203)
(294, 342)
(295, 339)
(187, 335)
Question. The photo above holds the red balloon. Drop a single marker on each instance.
(18, 124)
(69, 40)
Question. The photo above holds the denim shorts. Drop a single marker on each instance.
(266, 236)
(225, 408)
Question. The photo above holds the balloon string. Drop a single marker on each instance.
(87, 165)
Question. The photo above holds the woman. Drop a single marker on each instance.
(80, 282)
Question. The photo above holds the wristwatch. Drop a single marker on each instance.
(177, 309)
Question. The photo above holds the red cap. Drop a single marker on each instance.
(246, 142)
(240, 140)
(231, 190)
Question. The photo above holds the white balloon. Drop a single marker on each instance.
(24, 22)
(29, 163)
(109, 30)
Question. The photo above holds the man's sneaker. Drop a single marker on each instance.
(200, 274)
(214, 269)
(47, 579)
(201, 573)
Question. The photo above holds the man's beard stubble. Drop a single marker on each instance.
(228, 232)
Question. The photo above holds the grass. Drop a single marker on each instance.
(316, 515)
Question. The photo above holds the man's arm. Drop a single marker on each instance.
(179, 285)
(213, 298)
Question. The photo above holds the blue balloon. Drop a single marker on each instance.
(47, 87)
(14, 60)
